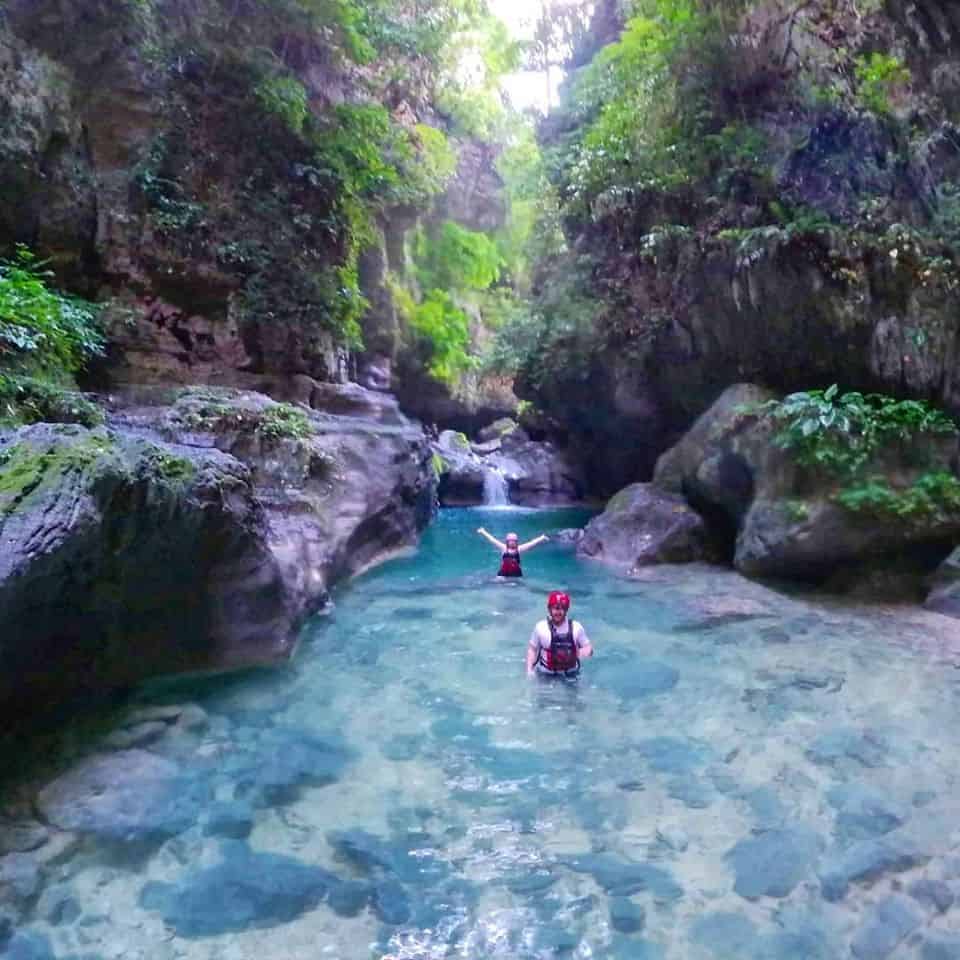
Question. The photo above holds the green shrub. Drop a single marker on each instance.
(796, 510)
(456, 259)
(285, 420)
(286, 98)
(43, 330)
(615, 152)
(841, 433)
(432, 161)
(930, 496)
(445, 330)
(28, 400)
(879, 75)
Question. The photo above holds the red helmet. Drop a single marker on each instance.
(559, 599)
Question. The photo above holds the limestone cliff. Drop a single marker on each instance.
(816, 245)
(234, 179)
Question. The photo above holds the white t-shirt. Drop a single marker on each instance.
(540, 638)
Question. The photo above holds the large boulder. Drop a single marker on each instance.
(696, 462)
(187, 537)
(643, 525)
(787, 519)
(506, 466)
(538, 473)
(944, 596)
(461, 483)
(460, 472)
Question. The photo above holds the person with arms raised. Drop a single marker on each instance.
(510, 551)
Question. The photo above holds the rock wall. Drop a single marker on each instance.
(195, 533)
(853, 280)
(136, 155)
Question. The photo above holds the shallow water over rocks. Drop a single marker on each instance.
(738, 773)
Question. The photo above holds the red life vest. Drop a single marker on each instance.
(562, 655)
(510, 564)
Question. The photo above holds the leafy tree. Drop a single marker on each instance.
(456, 259)
(560, 30)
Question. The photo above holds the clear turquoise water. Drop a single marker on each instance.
(736, 774)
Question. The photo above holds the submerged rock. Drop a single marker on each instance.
(621, 878)
(247, 890)
(132, 800)
(772, 863)
(887, 924)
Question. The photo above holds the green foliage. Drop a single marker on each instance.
(757, 243)
(456, 259)
(345, 22)
(796, 510)
(842, 433)
(353, 148)
(285, 420)
(377, 163)
(329, 298)
(445, 330)
(879, 76)
(930, 497)
(24, 468)
(631, 79)
(559, 330)
(29, 400)
(286, 98)
(41, 329)
(468, 93)
(946, 212)
(532, 230)
(215, 410)
(472, 112)
(402, 28)
(172, 210)
(426, 163)
(168, 466)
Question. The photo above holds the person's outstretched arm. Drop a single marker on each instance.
(497, 543)
(535, 542)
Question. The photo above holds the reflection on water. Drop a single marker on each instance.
(736, 774)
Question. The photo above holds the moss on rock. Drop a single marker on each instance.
(26, 468)
(221, 411)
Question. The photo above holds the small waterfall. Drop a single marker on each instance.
(494, 487)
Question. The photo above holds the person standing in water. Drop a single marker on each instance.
(557, 645)
(510, 551)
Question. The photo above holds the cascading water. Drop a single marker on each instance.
(495, 487)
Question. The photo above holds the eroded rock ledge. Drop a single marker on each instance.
(194, 531)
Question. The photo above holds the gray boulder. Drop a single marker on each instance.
(461, 482)
(643, 525)
(114, 544)
(198, 535)
(500, 430)
(786, 519)
(944, 596)
(538, 474)
(459, 471)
